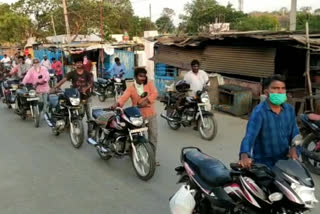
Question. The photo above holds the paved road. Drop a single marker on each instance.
(44, 174)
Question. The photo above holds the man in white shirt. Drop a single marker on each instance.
(6, 60)
(196, 78)
(46, 63)
(29, 60)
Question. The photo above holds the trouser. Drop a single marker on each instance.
(59, 78)
(153, 132)
(1, 91)
(87, 107)
(44, 100)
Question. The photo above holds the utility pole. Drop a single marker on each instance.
(53, 26)
(65, 12)
(293, 15)
(150, 16)
(101, 65)
(241, 5)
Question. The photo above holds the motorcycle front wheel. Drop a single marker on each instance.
(143, 162)
(208, 129)
(36, 116)
(76, 133)
(173, 114)
(102, 98)
(310, 154)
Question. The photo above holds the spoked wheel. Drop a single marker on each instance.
(208, 129)
(36, 116)
(143, 161)
(311, 153)
(173, 114)
(76, 133)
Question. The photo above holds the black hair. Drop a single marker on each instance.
(277, 77)
(195, 62)
(117, 59)
(139, 70)
(20, 57)
(53, 58)
(78, 59)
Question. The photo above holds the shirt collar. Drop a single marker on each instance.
(267, 106)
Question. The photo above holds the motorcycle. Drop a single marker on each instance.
(104, 88)
(10, 86)
(119, 133)
(185, 110)
(28, 103)
(66, 110)
(288, 188)
(53, 79)
(310, 151)
(118, 86)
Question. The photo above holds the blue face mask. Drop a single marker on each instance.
(277, 99)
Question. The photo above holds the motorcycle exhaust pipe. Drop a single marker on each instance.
(46, 117)
(97, 93)
(168, 118)
(92, 142)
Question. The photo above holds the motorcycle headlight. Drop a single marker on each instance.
(51, 75)
(75, 101)
(136, 121)
(32, 93)
(205, 98)
(118, 80)
(306, 194)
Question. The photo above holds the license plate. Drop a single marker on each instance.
(139, 130)
(33, 99)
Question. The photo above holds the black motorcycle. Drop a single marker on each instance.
(286, 189)
(28, 103)
(104, 88)
(310, 151)
(185, 110)
(120, 132)
(53, 78)
(10, 86)
(66, 110)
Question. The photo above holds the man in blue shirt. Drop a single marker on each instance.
(117, 68)
(271, 128)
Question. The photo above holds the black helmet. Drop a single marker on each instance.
(182, 86)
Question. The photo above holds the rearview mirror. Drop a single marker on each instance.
(297, 140)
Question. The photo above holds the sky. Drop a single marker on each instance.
(141, 7)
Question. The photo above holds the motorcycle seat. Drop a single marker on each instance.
(53, 100)
(314, 117)
(102, 81)
(22, 92)
(101, 113)
(211, 171)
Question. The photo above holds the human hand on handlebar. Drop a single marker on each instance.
(245, 162)
(293, 153)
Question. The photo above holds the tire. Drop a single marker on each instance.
(172, 125)
(145, 176)
(102, 98)
(76, 140)
(36, 116)
(102, 155)
(308, 162)
(214, 128)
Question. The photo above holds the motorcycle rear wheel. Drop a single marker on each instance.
(102, 98)
(146, 155)
(172, 114)
(309, 144)
(76, 139)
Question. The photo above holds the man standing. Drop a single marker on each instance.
(57, 67)
(46, 63)
(6, 60)
(271, 128)
(146, 104)
(29, 60)
(38, 75)
(81, 80)
(196, 78)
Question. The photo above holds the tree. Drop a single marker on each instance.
(165, 22)
(199, 14)
(306, 9)
(317, 12)
(313, 20)
(263, 22)
(139, 25)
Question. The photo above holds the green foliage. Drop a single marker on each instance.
(202, 13)
(14, 27)
(139, 25)
(263, 22)
(314, 21)
(165, 23)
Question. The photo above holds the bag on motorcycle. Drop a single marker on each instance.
(183, 201)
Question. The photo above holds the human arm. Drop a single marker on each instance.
(26, 78)
(90, 83)
(14, 70)
(253, 130)
(125, 97)
(294, 150)
(124, 70)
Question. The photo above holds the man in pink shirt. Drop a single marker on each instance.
(57, 67)
(39, 76)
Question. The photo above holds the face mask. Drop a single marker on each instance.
(277, 99)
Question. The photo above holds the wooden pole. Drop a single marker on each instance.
(55, 36)
(308, 66)
(102, 41)
(65, 13)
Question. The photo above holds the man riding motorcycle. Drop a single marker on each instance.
(118, 69)
(21, 69)
(83, 81)
(271, 128)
